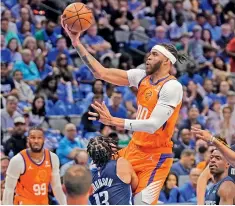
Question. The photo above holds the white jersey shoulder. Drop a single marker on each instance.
(171, 93)
(135, 76)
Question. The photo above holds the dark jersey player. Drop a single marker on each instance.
(222, 192)
(112, 180)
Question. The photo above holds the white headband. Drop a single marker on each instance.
(165, 52)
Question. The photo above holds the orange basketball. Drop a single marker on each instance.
(78, 17)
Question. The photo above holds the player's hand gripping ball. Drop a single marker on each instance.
(78, 17)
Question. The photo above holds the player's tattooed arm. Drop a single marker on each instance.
(88, 59)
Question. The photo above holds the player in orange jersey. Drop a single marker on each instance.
(159, 100)
(31, 172)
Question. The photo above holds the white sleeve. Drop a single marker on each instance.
(15, 169)
(170, 96)
(135, 76)
(171, 93)
(55, 181)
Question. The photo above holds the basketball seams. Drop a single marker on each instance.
(85, 20)
(78, 16)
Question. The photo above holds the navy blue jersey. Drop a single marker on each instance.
(108, 188)
(231, 171)
(212, 198)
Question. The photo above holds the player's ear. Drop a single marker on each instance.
(91, 190)
(64, 189)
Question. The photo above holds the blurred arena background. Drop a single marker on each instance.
(44, 82)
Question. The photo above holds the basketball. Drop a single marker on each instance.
(78, 17)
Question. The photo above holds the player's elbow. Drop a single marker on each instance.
(101, 73)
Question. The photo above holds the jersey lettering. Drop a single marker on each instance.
(142, 112)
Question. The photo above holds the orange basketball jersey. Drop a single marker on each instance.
(147, 98)
(32, 186)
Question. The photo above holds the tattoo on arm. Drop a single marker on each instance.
(87, 59)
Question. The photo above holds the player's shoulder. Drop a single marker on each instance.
(17, 159)
(172, 86)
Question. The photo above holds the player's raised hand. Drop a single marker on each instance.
(103, 114)
(202, 134)
(73, 36)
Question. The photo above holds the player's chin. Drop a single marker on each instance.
(36, 149)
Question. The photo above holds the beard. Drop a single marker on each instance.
(35, 150)
(154, 68)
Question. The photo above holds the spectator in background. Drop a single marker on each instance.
(5, 31)
(5, 52)
(193, 118)
(43, 68)
(77, 185)
(48, 88)
(177, 28)
(14, 48)
(8, 115)
(18, 139)
(25, 16)
(167, 12)
(227, 126)
(61, 48)
(31, 44)
(183, 143)
(231, 104)
(15, 10)
(207, 38)
(7, 14)
(28, 68)
(25, 93)
(130, 101)
(214, 29)
(188, 190)
(223, 92)
(81, 158)
(121, 18)
(97, 89)
(116, 109)
(25, 31)
(160, 37)
(95, 44)
(185, 164)
(4, 165)
(221, 69)
(226, 36)
(38, 113)
(47, 34)
(69, 146)
(170, 192)
(213, 117)
(196, 44)
(89, 125)
(201, 148)
(7, 85)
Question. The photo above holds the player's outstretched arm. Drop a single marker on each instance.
(169, 97)
(208, 137)
(15, 168)
(201, 185)
(55, 181)
(114, 76)
(226, 193)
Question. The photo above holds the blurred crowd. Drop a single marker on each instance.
(43, 79)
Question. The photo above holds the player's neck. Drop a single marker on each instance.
(77, 201)
(217, 178)
(36, 155)
(158, 75)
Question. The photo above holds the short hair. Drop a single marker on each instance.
(36, 129)
(187, 153)
(5, 158)
(117, 92)
(11, 99)
(77, 180)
